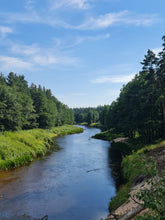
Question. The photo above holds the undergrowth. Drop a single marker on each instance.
(134, 165)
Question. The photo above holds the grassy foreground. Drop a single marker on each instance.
(20, 147)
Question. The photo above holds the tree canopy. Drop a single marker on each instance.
(140, 107)
(24, 107)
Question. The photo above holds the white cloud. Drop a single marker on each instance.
(29, 5)
(78, 40)
(28, 17)
(14, 64)
(5, 30)
(119, 18)
(23, 57)
(25, 49)
(91, 23)
(157, 50)
(32, 16)
(103, 21)
(78, 4)
(113, 79)
(51, 61)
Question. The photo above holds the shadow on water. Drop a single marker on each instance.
(115, 159)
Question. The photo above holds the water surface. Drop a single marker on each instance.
(74, 183)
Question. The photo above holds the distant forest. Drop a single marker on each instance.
(88, 115)
(24, 107)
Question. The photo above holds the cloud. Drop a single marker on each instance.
(119, 18)
(29, 57)
(29, 5)
(28, 17)
(25, 50)
(79, 40)
(32, 16)
(51, 60)
(113, 79)
(9, 64)
(91, 23)
(157, 50)
(5, 30)
(103, 21)
(78, 4)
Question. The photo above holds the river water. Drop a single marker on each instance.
(74, 183)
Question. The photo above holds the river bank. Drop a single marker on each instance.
(144, 186)
(139, 169)
(21, 147)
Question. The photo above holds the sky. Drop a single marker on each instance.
(83, 50)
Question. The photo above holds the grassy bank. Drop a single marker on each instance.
(92, 125)
(20, 147)
(107, 135)
(141, 164)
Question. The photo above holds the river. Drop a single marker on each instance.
(74, 183)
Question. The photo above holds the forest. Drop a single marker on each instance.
(28, 107)
(88, 115)
(140, 108)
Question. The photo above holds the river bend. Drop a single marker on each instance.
(74, 183)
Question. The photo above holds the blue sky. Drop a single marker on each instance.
(83, 50)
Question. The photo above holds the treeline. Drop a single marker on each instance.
(140, 108)
(24, 107)
(88, 115)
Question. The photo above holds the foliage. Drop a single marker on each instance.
(137, 164)
(140, 107)
(23, 107)
(154, 199)
(88, 115)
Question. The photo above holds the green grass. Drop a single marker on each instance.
(20, 147)
(134, 165)
(96, 125)
(84, 124)
(120, 198)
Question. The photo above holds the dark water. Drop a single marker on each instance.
(74, 183)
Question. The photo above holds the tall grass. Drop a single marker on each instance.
(20, 147)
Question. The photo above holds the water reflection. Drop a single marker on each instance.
(60, 185)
